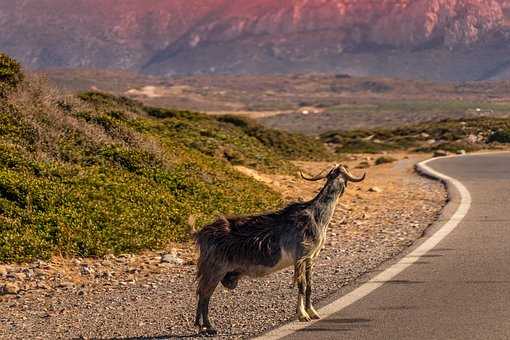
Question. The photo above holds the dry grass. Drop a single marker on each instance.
(42, 107)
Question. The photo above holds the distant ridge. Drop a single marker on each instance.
(421, 39)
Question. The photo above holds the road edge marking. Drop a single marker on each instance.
(404, 263)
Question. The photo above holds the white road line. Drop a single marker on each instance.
(397, 268)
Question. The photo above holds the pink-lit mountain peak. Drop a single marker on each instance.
(176, 36)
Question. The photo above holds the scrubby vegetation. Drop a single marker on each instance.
(500, 136)
(95, 174)
(384, 160)
(287, 145)
(10, 75)
(449, 135)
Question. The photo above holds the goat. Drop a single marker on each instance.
(258, 245)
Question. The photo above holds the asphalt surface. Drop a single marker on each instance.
(458, 290)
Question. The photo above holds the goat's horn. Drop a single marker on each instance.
(350, 176)
(317, 177)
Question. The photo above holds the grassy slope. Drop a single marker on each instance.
(97, 174)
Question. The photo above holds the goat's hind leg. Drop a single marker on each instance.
(308, 294)
(299, 277)
(205, 290)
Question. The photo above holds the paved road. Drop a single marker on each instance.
(458, 290)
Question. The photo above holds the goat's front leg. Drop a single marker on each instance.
(308, 293)
(299, 277)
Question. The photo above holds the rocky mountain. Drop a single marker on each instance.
(433, 39)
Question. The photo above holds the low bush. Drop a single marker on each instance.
(286, 145)
(11, 75)
(363, 146)
(500, 136)
(384, 160)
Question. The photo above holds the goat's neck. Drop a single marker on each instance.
(325, 202)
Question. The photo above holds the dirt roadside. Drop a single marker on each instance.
(142, 296)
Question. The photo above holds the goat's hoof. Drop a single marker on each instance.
(313, 313)
(208, 331)
(304, 317)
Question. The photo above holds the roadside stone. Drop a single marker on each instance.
(461, 152)
(375, 189)
(39, 264)
(16, 276)
(132, 270)
(472, 139)
(86, 270)
(66, 285)
(105, 274)
(440, 153)
(39, 273)
(42, 285)
(171, 258)
(363, 165)
(9, 288)
(29, 273)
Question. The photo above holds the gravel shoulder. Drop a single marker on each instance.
(144, 297)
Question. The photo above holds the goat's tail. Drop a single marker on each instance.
(208, 240)
(212, 234)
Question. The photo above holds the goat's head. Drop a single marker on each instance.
(337, 172)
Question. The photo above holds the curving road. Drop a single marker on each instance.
(459, 289)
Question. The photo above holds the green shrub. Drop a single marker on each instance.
(364, 146)
(287, 145)
(243, 123)
(11, 75)
(453, 147)
(385, 160)
(107, 101)
(500, 136)
(169, 113)
(131, 160)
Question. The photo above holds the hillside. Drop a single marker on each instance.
(422, 39)
(93, 174)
